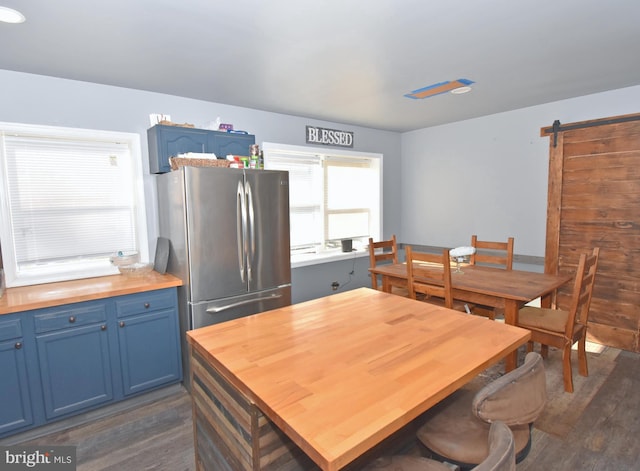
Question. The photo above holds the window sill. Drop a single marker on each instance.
(303, 260)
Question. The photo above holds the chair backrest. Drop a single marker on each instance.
(582, 290)
(429, 274)
(498, 254)
(381, 252)
(502, 449)
(516, 398)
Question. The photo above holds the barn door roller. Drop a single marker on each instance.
(557, 127)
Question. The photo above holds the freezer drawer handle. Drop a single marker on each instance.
(214, 310)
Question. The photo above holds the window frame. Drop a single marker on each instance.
(85, 269)
(325, 254)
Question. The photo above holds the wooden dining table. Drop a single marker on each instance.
(488, 286)
(316, 385)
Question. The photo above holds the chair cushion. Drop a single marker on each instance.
(405, 463)
(554, 320)
(454, 433)
(517, 398)
(458, 428)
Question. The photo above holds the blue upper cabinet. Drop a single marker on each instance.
(167, 141)
(223, 144)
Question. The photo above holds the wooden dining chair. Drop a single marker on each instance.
(495, 254)
(456, 430)
(501, 456)
(432, 279)
(385, 251)
(563, 328)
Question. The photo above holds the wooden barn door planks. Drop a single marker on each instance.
(594, 201)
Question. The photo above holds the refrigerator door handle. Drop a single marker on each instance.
(251, 231)
(241, 224)
(214, 310)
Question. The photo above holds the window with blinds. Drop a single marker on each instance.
(70, 199)
(333, 195)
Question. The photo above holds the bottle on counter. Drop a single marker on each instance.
(254, 156)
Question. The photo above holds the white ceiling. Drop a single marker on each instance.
(346, 61)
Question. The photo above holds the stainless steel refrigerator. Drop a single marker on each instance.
(228, 232)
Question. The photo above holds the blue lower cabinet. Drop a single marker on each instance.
(149, 351)
(64, 360)
(148, 340)
(75, 369)
(16, 411)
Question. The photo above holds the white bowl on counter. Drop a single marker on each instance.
(121, 258)
(136, 269)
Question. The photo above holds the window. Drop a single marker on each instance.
(333, 195)
(69, 199)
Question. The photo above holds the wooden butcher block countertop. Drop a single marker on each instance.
(26, 298)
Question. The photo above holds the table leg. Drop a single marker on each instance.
(510, 316)
(386, 286)
(546, 301)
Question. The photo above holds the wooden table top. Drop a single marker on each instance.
(339, 374)
(507, 284)
(25, 298)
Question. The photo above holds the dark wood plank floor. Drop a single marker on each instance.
(596, 428)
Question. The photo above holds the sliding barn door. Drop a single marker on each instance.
(594, 201)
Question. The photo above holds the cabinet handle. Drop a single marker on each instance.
(121, 323)
(103, 327)
(146, 305)
(72, 319)
(18, 345)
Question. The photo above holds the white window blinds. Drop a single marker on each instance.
(332, 197)
(352, 194)
(305, 197)
(72, 198)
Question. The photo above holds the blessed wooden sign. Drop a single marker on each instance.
(329, 137)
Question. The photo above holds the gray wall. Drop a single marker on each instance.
(486, 176)
(35, 99)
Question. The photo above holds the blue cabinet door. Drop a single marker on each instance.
(75, 369)
(168, 141)
(149, 350)
(15, 411)
(223, 144)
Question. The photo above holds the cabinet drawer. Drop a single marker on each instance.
(10, 329)
(142, 302)
(70, 317)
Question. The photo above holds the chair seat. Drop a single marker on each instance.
(457, 305)
(400, 291)
(405, 463)
(455, 433)
(554, 320)
(488, 311)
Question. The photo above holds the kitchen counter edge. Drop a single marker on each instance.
(26, 298)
